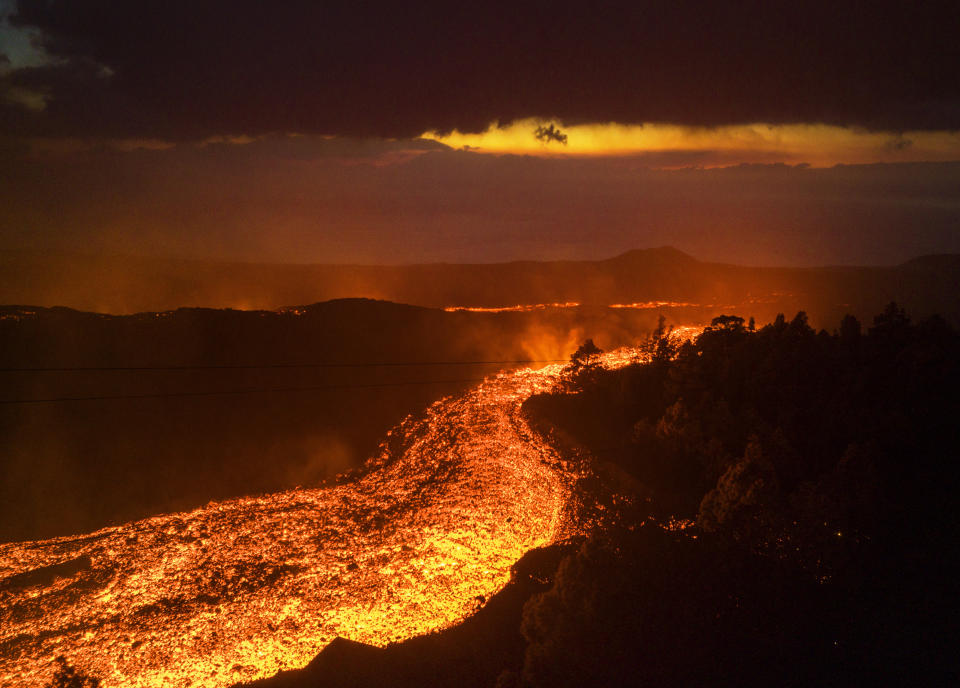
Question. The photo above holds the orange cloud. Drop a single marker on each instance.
(819, 145)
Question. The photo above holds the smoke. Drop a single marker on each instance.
(543, 343)
(312, 460)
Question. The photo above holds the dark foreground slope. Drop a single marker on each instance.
(127, 285)
(821, 472)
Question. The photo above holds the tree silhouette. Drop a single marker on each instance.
(892, 324)
(849, 329)
(732, 323)
(818, 473)
(584, 366)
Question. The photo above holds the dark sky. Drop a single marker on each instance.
(194, 68)
(315, 110)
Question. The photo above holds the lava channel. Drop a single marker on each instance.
(242, 589)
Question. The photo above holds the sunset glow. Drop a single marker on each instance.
(819, 145)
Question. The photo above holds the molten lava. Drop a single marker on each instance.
(649, 305)
(241, 589)
(520, 308)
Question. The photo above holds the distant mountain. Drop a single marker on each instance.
(945, 262)
(128, 285)
(132, 284)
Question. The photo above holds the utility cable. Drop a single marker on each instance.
(248, 390)
(272, 366)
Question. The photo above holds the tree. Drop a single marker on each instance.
(584, 366)
(742, 493)
(661, 347)
(661, 330)
(893, 324)
(849, 329)
(730, 323)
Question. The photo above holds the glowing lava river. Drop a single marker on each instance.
(241, 589)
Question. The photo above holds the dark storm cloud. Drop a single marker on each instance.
(191, 69)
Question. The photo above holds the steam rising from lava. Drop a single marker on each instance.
(241, 589)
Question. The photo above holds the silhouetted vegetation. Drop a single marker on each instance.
(821, 470)
(584, 367)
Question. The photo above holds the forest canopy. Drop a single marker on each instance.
(812, 475)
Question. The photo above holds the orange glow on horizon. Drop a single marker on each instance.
(520, 308)
(819, 145)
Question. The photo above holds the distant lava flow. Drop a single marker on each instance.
(244, 588)
(650, 305)
(525, 308)
(520, 308)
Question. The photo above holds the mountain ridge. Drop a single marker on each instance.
(653, 275)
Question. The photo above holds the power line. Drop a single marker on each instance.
(248, 390)
(273, 366)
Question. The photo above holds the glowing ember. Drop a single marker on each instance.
(639, 305)
(241, 589)
(511, 309)
(646, 305)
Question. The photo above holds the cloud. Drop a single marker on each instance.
(24, 98)
(821, 145)
(190, 70)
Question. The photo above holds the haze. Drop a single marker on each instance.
(399, 139)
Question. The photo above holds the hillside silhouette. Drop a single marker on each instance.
(131, 284)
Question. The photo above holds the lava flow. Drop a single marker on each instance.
(520, 308)
(241, 589)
